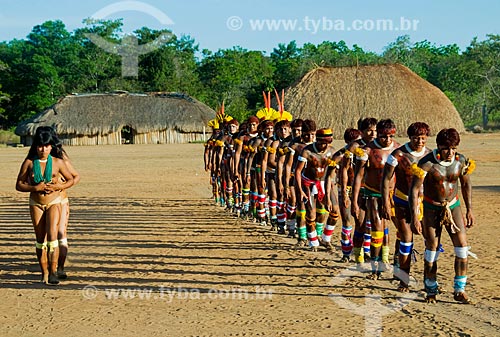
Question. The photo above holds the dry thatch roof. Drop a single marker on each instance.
(92, 114)
(338, 97)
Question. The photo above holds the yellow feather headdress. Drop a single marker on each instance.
(282, 115)
(266, 113)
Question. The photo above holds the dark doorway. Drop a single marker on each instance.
(127, 135)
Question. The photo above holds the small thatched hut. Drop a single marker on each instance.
(338, 97)
(118, 118)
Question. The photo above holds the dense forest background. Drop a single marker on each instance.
(52, 62)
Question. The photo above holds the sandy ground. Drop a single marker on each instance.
(151, 256)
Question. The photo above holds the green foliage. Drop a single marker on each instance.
(237, 77)
(52, 62)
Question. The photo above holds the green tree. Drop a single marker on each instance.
(172, 65)
(236, 76)
(97, 70)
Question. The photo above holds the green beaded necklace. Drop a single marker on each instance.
(37, 171)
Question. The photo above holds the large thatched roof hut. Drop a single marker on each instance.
(118, 118)
(338, 97)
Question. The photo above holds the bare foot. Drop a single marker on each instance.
(373, 276)
(301, 243)
(328, 245)
(403, 288)
(345, 259)
(462, 298)
(431, 299)
(45, 278)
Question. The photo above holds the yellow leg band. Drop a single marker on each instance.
(321, 211)
(385, 254)
(52, 245)
(41, 245)
(377, 238)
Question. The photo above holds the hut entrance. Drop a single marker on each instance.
(127, 134)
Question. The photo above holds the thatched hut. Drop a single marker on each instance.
(338, 97)
(120, 117)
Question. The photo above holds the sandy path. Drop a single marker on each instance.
(142, 225)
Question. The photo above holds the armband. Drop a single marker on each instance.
(417, 171)
(360, 154)
(270, 149)
(300, 158)
(470, 166)
(391, 160)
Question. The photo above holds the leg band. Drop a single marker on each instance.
(377, 238)
(358, 257)
(327, 233)
(459, 283)
(385, 254)
(431, 287)
(313, 239)
(405, 248)
(357, 234)
(431, 256)
(52, 245)
(319, 228)
(461, 252)
(63, 242)
(302, 233)
(41, 245)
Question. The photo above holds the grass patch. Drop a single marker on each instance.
(9, 137)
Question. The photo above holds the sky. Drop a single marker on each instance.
(263, 25)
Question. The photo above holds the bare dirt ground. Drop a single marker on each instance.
(150, 255)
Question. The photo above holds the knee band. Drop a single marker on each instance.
(321, 211)
(358, 235)
(461, 252)
(52, 245)
(334, 215)
(431, 255)
(41, 245)
(405, 248)
(386, 231)
(63, 242)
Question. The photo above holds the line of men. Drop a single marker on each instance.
(287, 174)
